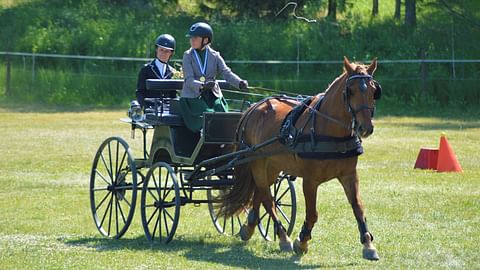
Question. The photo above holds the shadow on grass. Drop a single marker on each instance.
(228, 254)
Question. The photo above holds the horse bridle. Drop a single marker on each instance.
(364, 78)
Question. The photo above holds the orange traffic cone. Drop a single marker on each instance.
(447, 161)
(427, 159)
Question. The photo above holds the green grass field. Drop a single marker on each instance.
(420, 219)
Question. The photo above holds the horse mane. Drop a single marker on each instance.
(335, 82)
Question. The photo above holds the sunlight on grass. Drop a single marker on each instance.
(12, 3)
(420, 219)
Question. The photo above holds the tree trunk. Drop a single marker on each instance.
(332, 9)
(375, 8)
(410, 13)
(398, 6)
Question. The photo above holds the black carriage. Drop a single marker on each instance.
(177, 164)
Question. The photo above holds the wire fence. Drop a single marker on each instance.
(60, 78)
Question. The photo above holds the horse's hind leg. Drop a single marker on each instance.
(310, 192)
(269, 204)
(247, 230)
(351, 186)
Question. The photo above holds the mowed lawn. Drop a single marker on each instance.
(420, 219)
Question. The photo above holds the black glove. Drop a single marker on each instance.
(208, 85)
(243, 85)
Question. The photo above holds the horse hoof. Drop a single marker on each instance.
(286, 246)
(300, 248)
(244, 234)
(370, 254)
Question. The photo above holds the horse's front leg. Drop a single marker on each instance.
(351, 186)
(310, 192)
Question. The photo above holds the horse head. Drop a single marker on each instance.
(360, 93)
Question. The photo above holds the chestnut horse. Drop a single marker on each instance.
(346, 110)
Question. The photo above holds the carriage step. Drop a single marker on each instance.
(211, 183)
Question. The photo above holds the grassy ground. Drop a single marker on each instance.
(420, 219)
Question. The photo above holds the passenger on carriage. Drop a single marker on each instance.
(201, 66)
(158, 68)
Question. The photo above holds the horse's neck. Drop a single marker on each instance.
(334, 106)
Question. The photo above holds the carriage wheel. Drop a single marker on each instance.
(283, 193)
(160, 203)
(228, 226)
(113, 187)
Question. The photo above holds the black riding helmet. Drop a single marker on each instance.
(201, 29)
(166, 41)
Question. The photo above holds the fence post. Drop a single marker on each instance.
(453, 50)
(424, 73)
(298, 56)
(7, 79)
(33, 68)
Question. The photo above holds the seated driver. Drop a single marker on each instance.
(158, 68)
(201, 66)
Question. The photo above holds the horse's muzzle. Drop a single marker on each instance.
(365, 132)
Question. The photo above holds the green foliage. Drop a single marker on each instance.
(247, 9)
(128, 28)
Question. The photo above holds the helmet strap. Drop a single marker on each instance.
(204, 45)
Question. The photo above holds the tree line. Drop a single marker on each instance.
(267, 9)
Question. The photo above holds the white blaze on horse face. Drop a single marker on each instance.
(362, 104)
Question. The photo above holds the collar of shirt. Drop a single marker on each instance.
(162, 67)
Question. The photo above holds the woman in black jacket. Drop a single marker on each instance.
(158, 68)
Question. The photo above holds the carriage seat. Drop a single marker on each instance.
(165, 112)
(164, 107)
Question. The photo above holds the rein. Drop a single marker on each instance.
(350, 128)
(314, 110)
(328, 117)
(346, 97)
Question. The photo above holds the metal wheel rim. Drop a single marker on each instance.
(113, 184)
(159, 199)
(227, 226)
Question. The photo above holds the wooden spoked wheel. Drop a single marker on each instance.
(228, 226)
(113, 187)
(160, 203)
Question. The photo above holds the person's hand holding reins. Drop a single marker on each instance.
(243, 85)
(208, 85)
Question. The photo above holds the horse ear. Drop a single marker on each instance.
(372, 67)
(347, 65)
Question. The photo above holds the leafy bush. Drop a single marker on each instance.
(128, 28)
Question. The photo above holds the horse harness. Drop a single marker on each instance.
(312, 145)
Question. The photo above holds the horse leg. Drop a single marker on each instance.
(310, 192)
(247, 230)
(269, 204)
(351, 186)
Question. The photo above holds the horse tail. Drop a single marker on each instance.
(239, 196)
